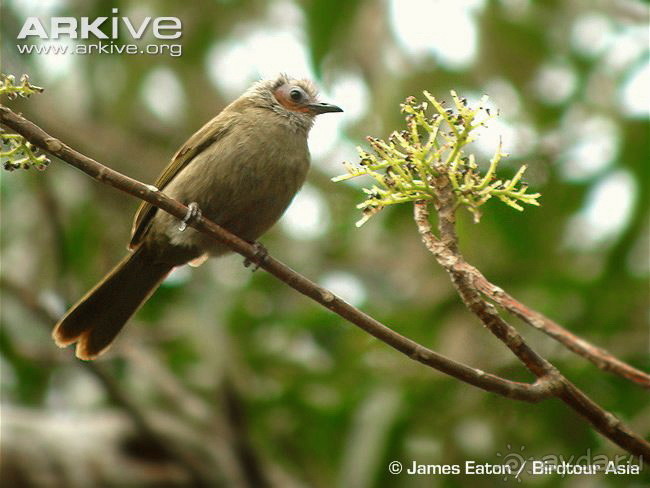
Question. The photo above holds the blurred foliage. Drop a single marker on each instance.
(324, 404)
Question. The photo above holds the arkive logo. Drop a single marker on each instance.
(85, 27)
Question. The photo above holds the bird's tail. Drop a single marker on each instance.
(95, 320)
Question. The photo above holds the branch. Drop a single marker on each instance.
(536, 392)
(549, 381)
(597, 355)
(447, 254)
(600, 357)
(445, 250)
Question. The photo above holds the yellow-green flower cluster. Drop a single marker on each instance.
(406, 167)
(15, 151)
(9, 88)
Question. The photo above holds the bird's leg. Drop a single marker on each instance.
(261, 253)
(193, 213)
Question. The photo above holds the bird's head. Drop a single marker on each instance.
(296, 100)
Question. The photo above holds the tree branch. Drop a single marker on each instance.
(548, 379)
(512, 389)
(597, 355)
(600, 357)
(445, 250)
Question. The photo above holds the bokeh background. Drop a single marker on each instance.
(255, 384)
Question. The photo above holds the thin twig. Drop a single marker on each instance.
(597, 355)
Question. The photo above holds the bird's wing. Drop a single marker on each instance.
(204, 137)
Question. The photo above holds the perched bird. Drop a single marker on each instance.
(241, 169)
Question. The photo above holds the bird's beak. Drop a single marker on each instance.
(323, 108)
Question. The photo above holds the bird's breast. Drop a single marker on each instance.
(243, 182)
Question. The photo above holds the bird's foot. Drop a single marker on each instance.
(261, 253)
(193, 213)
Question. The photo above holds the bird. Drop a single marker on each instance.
(241, 170)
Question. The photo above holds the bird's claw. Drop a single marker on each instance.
(193, 213)
(261, 253)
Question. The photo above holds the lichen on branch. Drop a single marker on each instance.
(434, 144)
(15, 151)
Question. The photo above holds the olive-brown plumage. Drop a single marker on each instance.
(242, 169)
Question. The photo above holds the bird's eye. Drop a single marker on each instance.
(296, 95)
